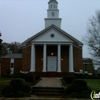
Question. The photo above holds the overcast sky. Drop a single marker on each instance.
(21, 19)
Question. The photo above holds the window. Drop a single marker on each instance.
(12, 65)
(54, 6)
(53, 14)
(85, 67)
(51, 6)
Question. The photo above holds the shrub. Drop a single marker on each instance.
(36, 77)
(74, 95)
(80, 83)
(16, 88)
(29, 78)
(86, 93)
(68, 79)
(19, 75)
(82, 76)
(78, 86)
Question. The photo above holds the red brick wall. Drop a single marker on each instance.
(90, 68)
(26, 58)
(39, 57)
(52, 49)
(17, 65)
(5, 66)
(65, 57)
(77, 53)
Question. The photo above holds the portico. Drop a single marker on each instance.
(45, 56)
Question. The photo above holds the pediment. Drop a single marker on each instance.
(52, 35)
(46, 35)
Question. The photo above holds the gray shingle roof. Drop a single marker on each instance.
(12, 56)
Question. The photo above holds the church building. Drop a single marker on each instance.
(52, 51)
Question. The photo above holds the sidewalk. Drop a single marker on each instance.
(49, 82)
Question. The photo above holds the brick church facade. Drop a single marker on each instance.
(51, 52)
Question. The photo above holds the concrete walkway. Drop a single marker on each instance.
(49, 82)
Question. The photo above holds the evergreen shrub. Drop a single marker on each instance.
(78, 87)
(16, 88)
(68, 79)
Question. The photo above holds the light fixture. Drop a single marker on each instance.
(52, 53)
(62, 59)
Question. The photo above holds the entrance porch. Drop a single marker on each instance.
(51, 58)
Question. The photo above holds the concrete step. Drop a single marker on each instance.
(48, 90)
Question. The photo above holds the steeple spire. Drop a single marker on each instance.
(53, 14)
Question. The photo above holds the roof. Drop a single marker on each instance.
(10, 55)
(52, 1)
(48, 28)
(87, 59)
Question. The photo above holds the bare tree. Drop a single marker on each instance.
(92, 38)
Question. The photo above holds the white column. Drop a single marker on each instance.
(44, 58)
(32, 68)
(59, 58)
(71, 58)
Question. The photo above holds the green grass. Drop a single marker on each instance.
(3, 83)
(94, 84)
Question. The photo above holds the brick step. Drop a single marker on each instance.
(48, 90)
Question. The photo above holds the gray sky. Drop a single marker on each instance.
(20, 19)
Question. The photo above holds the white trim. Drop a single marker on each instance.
(11, 60)
(49, 28)
(11, 69)
(48, 42)
(52, 64)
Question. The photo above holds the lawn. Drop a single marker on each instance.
(94, 84)
(3, 82)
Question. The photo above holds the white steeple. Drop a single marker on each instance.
(53, 14)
